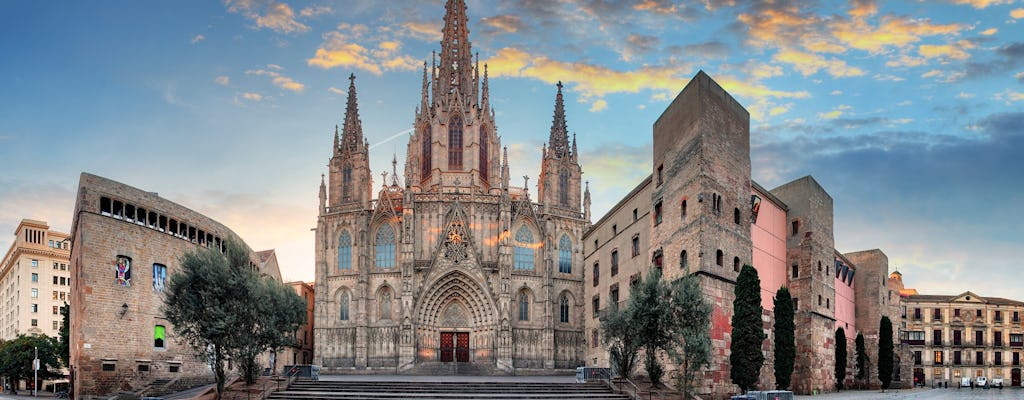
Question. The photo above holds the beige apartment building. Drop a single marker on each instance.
(950, 337)
(35, 281)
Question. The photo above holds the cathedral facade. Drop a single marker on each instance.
(450, 267)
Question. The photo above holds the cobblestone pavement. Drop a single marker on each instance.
(922, 394)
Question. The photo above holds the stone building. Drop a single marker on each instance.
(965, 335)
(125, 243)
(450, 267)
(302, 351)
(35, 282)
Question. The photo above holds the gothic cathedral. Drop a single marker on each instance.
(450, 268)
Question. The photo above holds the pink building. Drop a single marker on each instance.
(846, 310)
(768, 234)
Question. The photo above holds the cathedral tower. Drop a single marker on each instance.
(350, 179)
(559, 184)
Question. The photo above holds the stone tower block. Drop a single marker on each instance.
(875, 298)
(810, 254)
(700, 203)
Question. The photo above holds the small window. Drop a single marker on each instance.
(736, 264)
(828, 303)
(615, 262)
(595, 304)
(56, 325)
(796, 227)
(719, 258)
(683, 262)
(35, 307)
(54, 279)
(597, 273)
(657, 213)
(159, 277)
(35, 263)
(56, 310)
(636, 246)
(143, 367)
(35, 293)
(174, 368)
(819, 266)
(593, 338)
(635, 214)
(819, 300)
(615, 230)
(682, 209)
(108, 366)
(35, 322)
(35, 277)
(978, 313)
(661, 170)
(736, 216)
(159, 333)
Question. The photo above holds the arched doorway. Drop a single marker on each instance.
(456, 321)
(1015, 377)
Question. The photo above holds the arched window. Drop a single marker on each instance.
(736, 264)
(344, 251)
(565, 255)
(718, 258)
(346, 182)
(385, 303)
(736, 216)
(682, 209)
(524, 249)
(524, 306)
(483, 153)
(426, 142)
(563, 309)
(455, 143)
(563, 187)
(385, 247)
(343, 315)
(683, 262)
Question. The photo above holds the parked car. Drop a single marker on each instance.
(965, 381)
(997, 382)
(981, 382)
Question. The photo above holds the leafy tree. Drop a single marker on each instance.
(747, 333)
(276, 314)
(617, 335)
(862, 358)
(16, 357)
(840, 358)
(208, 301)
(785, 339)
(885, 352)
(692, 316)
(650, 320)
(64, 344)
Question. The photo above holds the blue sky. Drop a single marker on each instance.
(911, 114)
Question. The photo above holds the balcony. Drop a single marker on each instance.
(913, 342)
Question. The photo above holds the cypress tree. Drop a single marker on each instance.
(785, 341)
(840, 358)
(862, 358)
(747, 333)
(885, 352)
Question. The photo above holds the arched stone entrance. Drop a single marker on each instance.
(456, 321)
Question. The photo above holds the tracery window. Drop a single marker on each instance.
(563, 187)
(524, 249)
(524, 306)
(565, 255)
(385, 247)
(346, 182)
(344, 301)
(426, 152)
(483, 153)
(455, 143)
(344, 251)
(563, 309)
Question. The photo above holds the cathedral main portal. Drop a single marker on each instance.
(457, 320)
(455, 346)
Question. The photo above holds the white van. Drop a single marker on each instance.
(981, 382)
(965, 381)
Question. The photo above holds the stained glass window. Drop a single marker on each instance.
(345, 251)
(524, 306)
(524, 249)
(385, 246)
(565, 255)
(563, 309)
(344, 306)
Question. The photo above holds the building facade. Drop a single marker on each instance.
(302, 352)
(450, 267)
(965, 335)
(125, 243)
(35, 281)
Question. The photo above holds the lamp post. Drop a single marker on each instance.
(35, 378)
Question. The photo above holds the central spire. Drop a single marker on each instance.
(456, 69)
(352, 132)
(558, 143)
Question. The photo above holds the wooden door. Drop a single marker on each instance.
(1015, 377)
(462, 347)
(447, 346)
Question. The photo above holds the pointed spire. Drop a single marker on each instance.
(574, 146)
(586, 203)
(485, 96)
(336, 142)
(504, 169)
(352, 132)
(476, 78)
(425, 99)
(559, 140)
(394, 169)
(456, 53)
(433, 77)
(323, 194)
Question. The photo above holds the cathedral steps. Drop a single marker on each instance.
(452, 390)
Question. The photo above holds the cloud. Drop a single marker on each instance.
(222, 80)
(197, 39)
(639, 45)
(1019, 76)
(836, 92)
(279, 80)
(656, 6)
(981, 3)
(503, 23)
(335, 90)
(599, 105)
(38, 200)
(252, 96)
(904, 60)
(271, 14)
(341, 50)
(989, 31)
(951, 51)
(315, 11)
(835, 113)
(809, 64)
(892, 31)
(1009, 96)
(427, 31)
(1017, 13)
(613, 169)
(711, 49)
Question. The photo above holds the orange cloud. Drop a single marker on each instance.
(809, 64)
(905, 61)
(981, 3)
(505, 23)
(955, 52)
(657, 6)
(989, 31)
(1017, 13)
(338, 51)
(891, 32)
(279, 80)
(274, 15)
(429, 31)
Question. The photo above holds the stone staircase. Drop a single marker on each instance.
(304, 389)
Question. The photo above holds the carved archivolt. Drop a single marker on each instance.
(456, 289)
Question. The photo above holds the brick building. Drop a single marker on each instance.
(35, 281)
(125, 243)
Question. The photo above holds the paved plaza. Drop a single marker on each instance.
(922, 394)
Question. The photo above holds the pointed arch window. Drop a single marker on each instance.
(385, 247)
(455, 143)
(344, 251)
(344, 301)
(346, 182)
(524, 249)
(565, 255)
(426, 152)
(483, 153)
(563, 309)
(563, 187)
(524, 306)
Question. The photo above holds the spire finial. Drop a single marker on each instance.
(559, 139)
(394, 169)
(456, 69)
(352, 132)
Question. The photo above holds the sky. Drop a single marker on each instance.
(909, 113)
